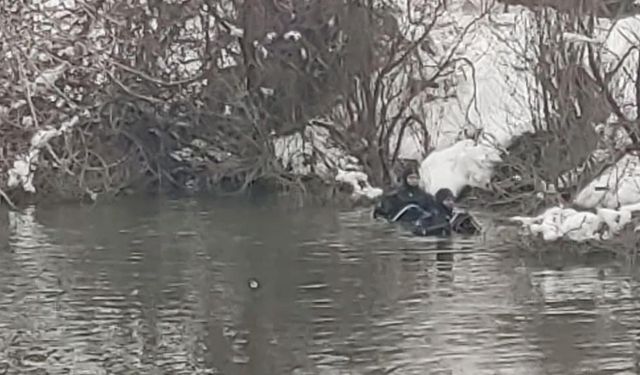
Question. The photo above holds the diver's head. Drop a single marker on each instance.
(411, 178)
(446, 198)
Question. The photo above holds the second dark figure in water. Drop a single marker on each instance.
(426, 215)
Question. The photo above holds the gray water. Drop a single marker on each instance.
(199, 287)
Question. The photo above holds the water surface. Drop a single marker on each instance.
(203, 287)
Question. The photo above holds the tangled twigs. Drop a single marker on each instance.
(27, 89)
(172, 83)
(133, 93)
(155, 80)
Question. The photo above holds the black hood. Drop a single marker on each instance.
(406, 174)
(443, 194)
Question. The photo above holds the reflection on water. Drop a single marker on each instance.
(164, 287)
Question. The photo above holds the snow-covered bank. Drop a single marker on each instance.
(487, 90)
(313, 152)
(557, 223)
(501, 109)
(491, 98)
(619, 185)
(359, 181)
(471, 74)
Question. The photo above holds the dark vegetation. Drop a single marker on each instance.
(575, 87)
(190, 95)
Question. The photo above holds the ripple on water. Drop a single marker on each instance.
(313, 286)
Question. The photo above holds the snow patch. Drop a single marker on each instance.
(267, 91)
(24, 167)
(360, 183)
(292, 35)
(464, 163)
(497, 101)
(270, 37)
(618, 185)
(198, 152)
(235, 30)
(559, 222)
(48, 78)
(312, 151)
(495, 95)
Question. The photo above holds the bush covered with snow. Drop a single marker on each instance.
(573, 132)
(199, 95)
(101, 97)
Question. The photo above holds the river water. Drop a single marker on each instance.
(205, 287)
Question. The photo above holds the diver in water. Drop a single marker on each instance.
(428, 216)
(407, 203)
(446, 201)
(413, 206)
(460, 220)
(437, 219)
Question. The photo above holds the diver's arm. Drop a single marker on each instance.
(387, 205)
(382, 208)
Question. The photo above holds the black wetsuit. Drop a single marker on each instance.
(432, 217)
(461, 221)
(436, 223)
(391, 203)
(427, 219)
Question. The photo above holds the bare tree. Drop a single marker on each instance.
(191, 94)
(396, 75)
(574, 104)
